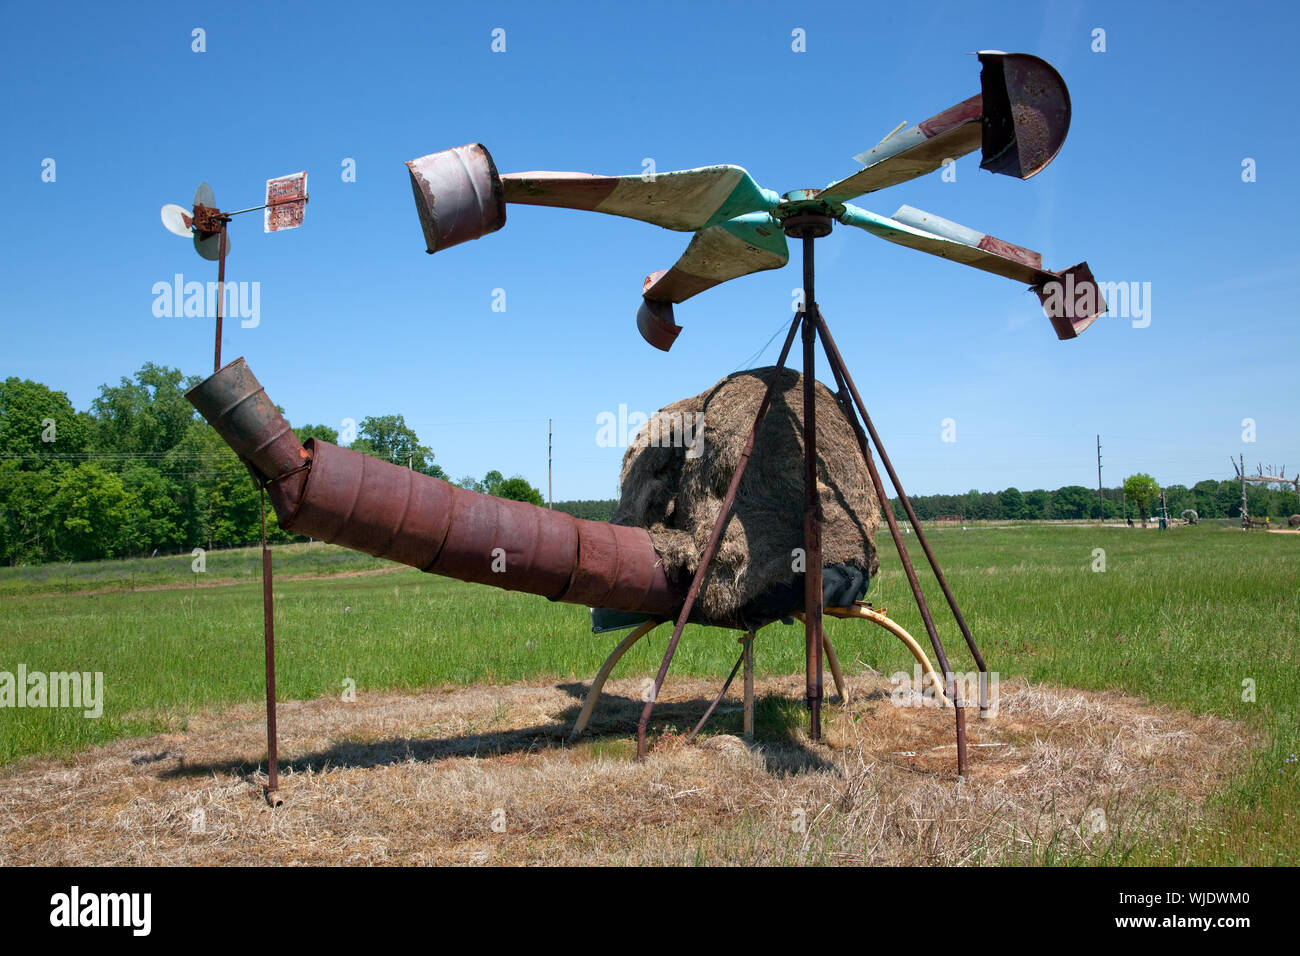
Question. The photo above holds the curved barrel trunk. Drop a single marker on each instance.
(360, 502)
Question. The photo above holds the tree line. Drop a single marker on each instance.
(140, 472)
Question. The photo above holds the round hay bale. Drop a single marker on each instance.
(1294, 521)
(676, 472)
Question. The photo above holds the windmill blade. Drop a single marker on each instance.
(176, 219)
(1071, 298)
(915, 151)
(1018, 120)
(716, 254)
(203, 196)
(684, 200)
(208, 244)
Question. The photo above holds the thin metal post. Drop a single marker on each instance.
(710, 549)
(749, 685)
(221, 293)
(268, 629)
(812, 508)
(847, 387)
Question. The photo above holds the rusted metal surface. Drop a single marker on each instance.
(654, 320)
(848, 389)
(1072, 300)
(711, 547)
(1026, 113)
(458, 195)
(383, 509)
(268, 634)
(236, 405)
(812, 506)
(721, 694)
(286, 202)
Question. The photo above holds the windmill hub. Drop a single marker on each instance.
(803, 216)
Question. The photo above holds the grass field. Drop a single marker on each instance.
(1192, 619)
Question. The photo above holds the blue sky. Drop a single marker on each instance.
(356, 320)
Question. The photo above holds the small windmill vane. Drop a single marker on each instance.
(286, 203)
(1019, 121)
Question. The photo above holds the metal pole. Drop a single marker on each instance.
(749, 686)
(711, 548)
(221, 292)
(812, 508)
(550, 446)
(268, 630)
(1101, 502)
(837, 360)
(846, 388)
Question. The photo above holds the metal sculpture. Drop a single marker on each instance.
(1018, 120)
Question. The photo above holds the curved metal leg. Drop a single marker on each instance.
(836, 673)
(593, 695)
(875, 617)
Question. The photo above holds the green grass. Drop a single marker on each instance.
(1181, 618)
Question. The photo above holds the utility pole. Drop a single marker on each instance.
(1101, 502)
(550, 445)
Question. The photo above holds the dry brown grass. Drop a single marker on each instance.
(415, 779)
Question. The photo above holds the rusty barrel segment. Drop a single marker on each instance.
(383, 509)
(236, 405)
(458, 195)
(1026, 113)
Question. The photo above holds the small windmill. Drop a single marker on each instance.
(1019, 121)
(286, 203)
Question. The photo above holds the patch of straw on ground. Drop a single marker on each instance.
(485, 775)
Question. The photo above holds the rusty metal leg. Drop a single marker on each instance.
(706, 558)
(846, 388)
(221, 293)
(836, 673)
(828, 343)
(717, 700)
(606, 669)
(749, 686)
(812, 507)
(268, 630)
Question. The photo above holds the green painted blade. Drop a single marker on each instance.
(948, 240)
(685, 200)
(718, 253)
(907, 153)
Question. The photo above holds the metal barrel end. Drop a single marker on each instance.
(1073, 301)
(654, 320)
(1026, 113)
(235, 404)
(458, 195)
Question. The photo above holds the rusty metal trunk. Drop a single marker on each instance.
(360, 502)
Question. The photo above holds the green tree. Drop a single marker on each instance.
(1072, 502)
(322, 432)
(518, 489)
(38, 425)
(1013, 503)
(92, 513)
(389, 438)
(144, 417)
(1141, 489)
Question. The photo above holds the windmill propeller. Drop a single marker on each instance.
(206, 225)
(1018, 120)
(201, 223)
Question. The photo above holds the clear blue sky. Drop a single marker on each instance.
(357, 320)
